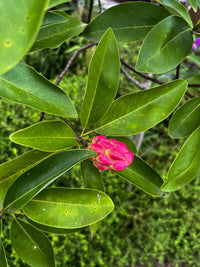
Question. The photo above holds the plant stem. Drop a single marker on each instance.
(131, 78)
(80, 139)
(61, 75)
(90, 11)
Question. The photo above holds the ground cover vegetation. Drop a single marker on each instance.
(133, 80)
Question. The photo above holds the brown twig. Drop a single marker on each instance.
(41, 116)
(154, 144)
(193, 85)
(139, 73)
(80, 139)
(131, 78)
(61, 75)
(177, 71)
(90, 11)
(100, 6)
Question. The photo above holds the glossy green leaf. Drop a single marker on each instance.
(186, 119)
(31, 182)
(54, 3)
(92, 179)
(176, 8)
(129, 21)
(20, 21)
(59, 28)
(53, 230)
(127, 141)
(91, 176)
(68, 208)
(12, 169)
(24, 85)
(166, 45)
(143, 176)
(31, 245)
(137, 112)
(3, 260)
(186, 165)
(103, 80)
(46, 136)
(194, 4)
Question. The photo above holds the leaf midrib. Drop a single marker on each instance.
(136, 110)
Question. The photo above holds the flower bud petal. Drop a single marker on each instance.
(103, 159)
(119, 165)
(115, 154)
(97, 148)
(100, 166)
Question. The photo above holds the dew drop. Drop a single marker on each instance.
(43, 209)
(123, 121)
(35, 247)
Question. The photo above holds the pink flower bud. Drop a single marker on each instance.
(111, 154)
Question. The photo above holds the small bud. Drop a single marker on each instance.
(111, 154)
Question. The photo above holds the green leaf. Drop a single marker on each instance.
(54, 3)
(69, 208)
(186, 164)
(91, 176)
(24, 85)
(186, 119)
(3, 260)
(137, 112)
(129, 21)
(31, 245)
(195, 59)
(31, 182)
(60, 27)
(20, 21)
(46, 136)
(176, 8)
(166, 45)
(127, 141)
(103, 80)
(12, 169)
(92, 179)
(194, 4)
(143, 176)
(52, 230)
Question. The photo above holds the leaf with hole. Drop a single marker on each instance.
(186, 165)
(31, 245)
(57, 27)
(12, 169)
(103, 80)
(20, 21)
(24, 85)
(129, 21)
(166, 45)
(68, 208)
(143, 176)
(31, 182)
(137, 112)
(186, 119)
(46, 136)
